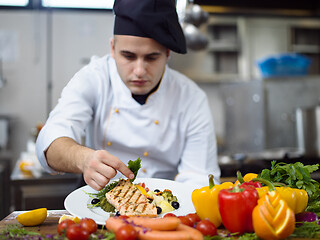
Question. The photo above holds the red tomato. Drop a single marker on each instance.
(169, 215)
(89, 225)
(126, 232)
(194, 218)
(186, 221)
(76, 232)
(207, 228)
(64, 225)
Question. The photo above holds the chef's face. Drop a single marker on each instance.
(140, 62)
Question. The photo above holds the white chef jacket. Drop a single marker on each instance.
(172, 132)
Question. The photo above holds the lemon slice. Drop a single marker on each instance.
(73, 218)
(32, 218)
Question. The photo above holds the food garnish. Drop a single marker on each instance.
(272, 218)
(33, 217)
(134, 166)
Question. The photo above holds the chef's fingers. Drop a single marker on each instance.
(115, 163)
(121, 167)
(93, 183)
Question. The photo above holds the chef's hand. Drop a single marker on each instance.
(100, 166)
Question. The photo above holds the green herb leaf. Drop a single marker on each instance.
(134, 166)
(307, 230)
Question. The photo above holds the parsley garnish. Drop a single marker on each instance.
(134, 166)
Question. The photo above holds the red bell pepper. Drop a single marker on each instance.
(236, 205)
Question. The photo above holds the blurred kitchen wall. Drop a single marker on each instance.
(41, 51)
(46, 48)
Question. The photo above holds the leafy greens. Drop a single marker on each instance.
(295, 175)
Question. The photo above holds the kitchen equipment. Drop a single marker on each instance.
(194, 38)
(308, 130)
(195, 15)
(191, 18)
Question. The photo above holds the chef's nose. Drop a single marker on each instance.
(140, 68)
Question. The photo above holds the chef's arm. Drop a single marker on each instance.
(98, 166)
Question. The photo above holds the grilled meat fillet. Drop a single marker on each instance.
(129, 201)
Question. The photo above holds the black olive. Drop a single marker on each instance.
(159, 210)
(95, 201)
(157, 190)
(175, 204)
(117, 213)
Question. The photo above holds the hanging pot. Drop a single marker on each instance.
(194, 38)
(195, 15)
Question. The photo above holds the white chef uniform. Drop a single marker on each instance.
(172, 132)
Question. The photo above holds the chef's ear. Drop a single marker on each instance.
(168, 53)
(112, 43)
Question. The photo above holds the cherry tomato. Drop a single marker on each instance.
(169, 215)
(194, 218)
(64, 225)
(89, 225)
(76, 232)
(126, 232)
(207, 228)
(186, 221)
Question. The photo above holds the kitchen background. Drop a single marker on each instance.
(41, 49)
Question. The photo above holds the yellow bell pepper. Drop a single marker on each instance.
(205, 201)
(247, 178)
(297, 199)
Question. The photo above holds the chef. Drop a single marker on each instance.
(130, 104)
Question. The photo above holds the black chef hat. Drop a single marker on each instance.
(156, 19)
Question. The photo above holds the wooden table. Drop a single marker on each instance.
(48, 227)
(50, 224)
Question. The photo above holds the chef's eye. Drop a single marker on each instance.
(128, 55)
(152, 57)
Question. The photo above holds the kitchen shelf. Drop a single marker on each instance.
(223, 46)
(305, 40)
(304, 48)
(209, 78)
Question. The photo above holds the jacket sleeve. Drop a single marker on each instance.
(199, 157)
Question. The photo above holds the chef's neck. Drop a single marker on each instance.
(142, 99)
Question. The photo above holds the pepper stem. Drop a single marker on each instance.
(266, 182)
(211, 182)
(239, 177)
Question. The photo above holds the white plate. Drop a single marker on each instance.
(76, 203)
